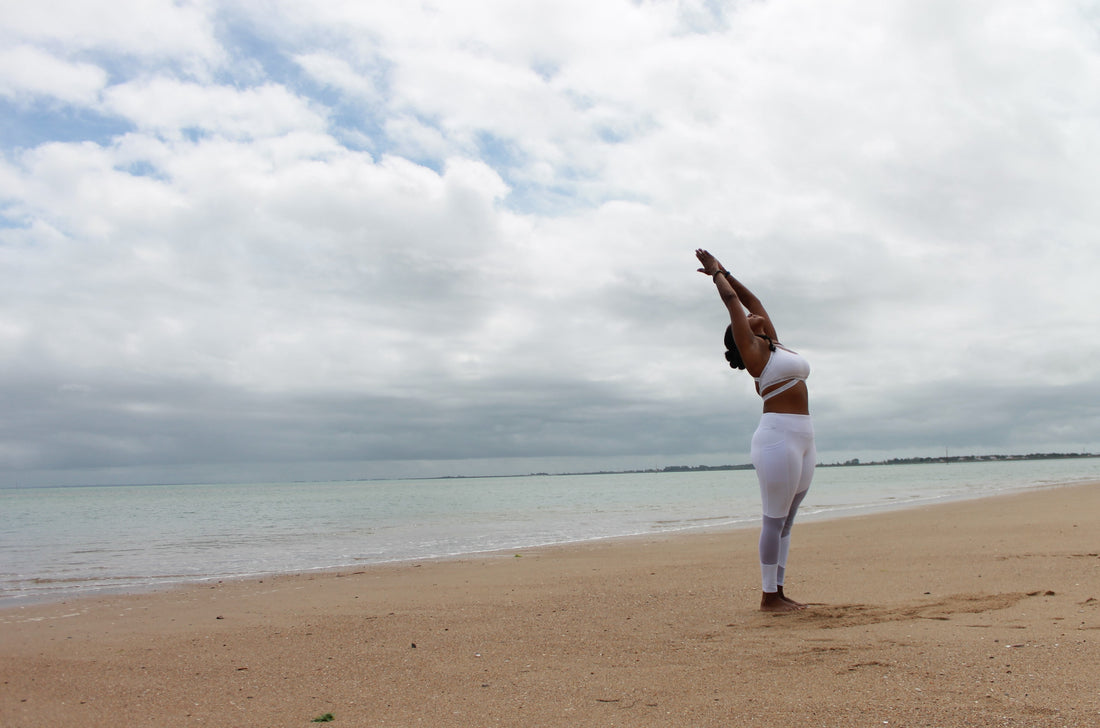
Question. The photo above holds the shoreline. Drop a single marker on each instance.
(973, 612)
(8, 602)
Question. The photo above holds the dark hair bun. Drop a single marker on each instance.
(733, 356)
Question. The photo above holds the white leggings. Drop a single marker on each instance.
(784, 456)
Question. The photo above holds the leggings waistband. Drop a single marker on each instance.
(789, 422)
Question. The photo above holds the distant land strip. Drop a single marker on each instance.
(854, 462)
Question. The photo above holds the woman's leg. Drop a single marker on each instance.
(770, 547)
(778, 467)
(809, 461)
(784, 463)
(785, 536)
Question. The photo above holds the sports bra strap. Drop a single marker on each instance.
(780, 389)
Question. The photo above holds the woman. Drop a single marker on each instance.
(783, 451)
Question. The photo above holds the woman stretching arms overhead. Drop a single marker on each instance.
(783, 451)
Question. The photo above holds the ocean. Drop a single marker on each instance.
(60, 542)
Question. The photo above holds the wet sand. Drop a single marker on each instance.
(976, 613)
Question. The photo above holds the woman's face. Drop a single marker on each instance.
(756, 323)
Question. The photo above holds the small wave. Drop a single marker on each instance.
(701, 519)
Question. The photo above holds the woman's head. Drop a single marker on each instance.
(757, 323)
(733, 356)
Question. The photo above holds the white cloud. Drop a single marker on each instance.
(171, 107)
(507, 269)
(156, 29)
(26, 71)
(412, 138)
(339, 74)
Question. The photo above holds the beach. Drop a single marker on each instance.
(975, 613)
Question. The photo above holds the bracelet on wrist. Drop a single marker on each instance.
(719, 272)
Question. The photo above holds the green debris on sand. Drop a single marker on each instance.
(326, 718)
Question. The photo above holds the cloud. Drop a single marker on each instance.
(167, 106)
(341, 75)
(27, 72)
(160, 30)
(352, 236)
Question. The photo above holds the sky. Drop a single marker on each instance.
(281, 240)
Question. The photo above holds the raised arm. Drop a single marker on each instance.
(754, 350)
(744, 295)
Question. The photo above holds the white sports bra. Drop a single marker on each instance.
(784, 366)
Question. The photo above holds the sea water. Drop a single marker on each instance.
(57, 542)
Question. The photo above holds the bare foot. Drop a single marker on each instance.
(773, 602)
(788, 600)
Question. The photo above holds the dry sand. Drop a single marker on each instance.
(979, 613)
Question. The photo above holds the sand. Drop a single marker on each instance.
(977, 613)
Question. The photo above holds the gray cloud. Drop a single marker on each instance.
(384, 239)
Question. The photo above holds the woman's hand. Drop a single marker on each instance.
(710, 263)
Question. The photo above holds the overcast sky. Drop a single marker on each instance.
(287, 240)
